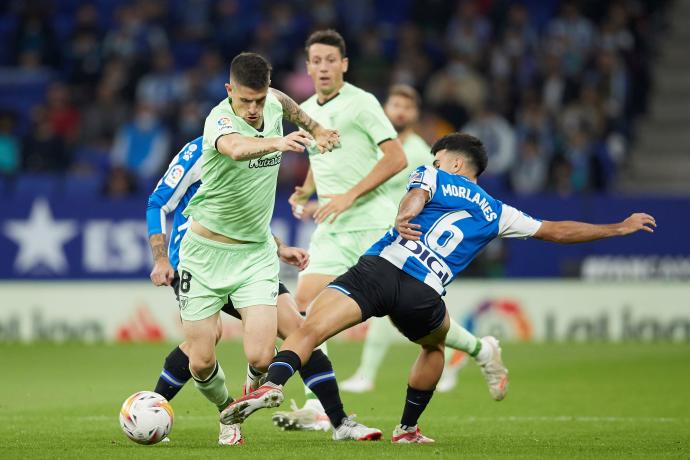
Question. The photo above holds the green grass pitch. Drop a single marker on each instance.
(565, 400)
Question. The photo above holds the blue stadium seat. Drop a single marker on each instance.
(82, 186)
(30, 185)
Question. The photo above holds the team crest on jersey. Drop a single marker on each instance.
(184, 300)
(174, 176)
(224, 123)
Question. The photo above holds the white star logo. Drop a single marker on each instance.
(40, 239)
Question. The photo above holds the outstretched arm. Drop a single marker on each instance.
(411, 205)
(568, 232)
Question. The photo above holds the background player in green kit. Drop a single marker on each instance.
(229, 252)
(402, 108)
(354, 210)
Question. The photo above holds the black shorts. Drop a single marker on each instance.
(380, 288)
(228, 308)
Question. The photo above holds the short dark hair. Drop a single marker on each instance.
(251, 70)
(407, 91)
(326, 37)
(464, 144)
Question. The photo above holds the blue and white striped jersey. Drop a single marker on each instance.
(172, 193)
(459, 219)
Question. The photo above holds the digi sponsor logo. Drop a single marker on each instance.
(503, 318)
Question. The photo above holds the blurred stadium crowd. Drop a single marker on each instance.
(96, 96)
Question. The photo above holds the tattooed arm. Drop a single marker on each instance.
(244, 148)
(293, 113)
(326, 139)
(162, 273)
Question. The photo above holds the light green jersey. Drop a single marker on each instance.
(418, 153)
(236, 198)
(359, 118)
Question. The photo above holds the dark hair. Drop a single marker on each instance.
(251, 70)
(405, 91)
(464, 144)
(326, 37)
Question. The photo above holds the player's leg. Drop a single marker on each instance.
(334, 310)
(309, 286)
(312, 417)
(203, 292)
(259, 325)
(175, 373)
(325, 264)
(330, 313)
(422, 381)
(420, 315)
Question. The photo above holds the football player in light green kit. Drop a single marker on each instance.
(402, 108)
(229, 251)
(354, 211)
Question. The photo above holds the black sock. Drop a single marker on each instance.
(283, 365)
(318, 376)
(414, 405)
(174, 375)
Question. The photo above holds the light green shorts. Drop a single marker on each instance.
(211, 271)
(334, 253)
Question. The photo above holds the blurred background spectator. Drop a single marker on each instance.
(111, 90)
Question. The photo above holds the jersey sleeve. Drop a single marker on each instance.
(183, 171)
(516, 224)
(217, 125)
(372, 120)
(423, 177)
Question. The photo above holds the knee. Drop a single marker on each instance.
(302, 300)
(261, 359)
(202, 363)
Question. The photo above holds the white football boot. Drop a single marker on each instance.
(308, 418)
(356, 384)
(494, 371)
(351, 430)
(230, 435)
(409, 435)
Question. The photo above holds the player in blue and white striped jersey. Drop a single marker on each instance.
(171, 195)
(443, 221)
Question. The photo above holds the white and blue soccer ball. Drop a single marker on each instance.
(146, 417)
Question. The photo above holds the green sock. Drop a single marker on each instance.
(461, 339)
(213, 388)
(308, 394)
(380, 335)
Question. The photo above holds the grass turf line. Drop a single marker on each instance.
(565, 400)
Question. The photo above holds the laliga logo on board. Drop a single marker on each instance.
(502, 318)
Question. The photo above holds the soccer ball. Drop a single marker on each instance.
(146, 417)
